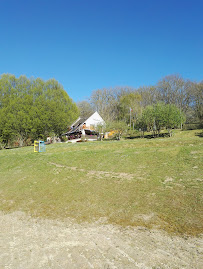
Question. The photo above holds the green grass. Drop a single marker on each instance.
(150, 182)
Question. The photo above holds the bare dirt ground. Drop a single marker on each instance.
(38, 243)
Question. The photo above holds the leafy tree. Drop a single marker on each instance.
(175, 90)
(159, 116)
(33, 108)
(173, 117)
(141, 125)
(148, 117)
(118, 126)
(101, 129)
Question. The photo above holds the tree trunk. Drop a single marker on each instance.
(170, 132)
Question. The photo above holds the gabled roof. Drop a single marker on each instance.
(78, 122)
(75, 126)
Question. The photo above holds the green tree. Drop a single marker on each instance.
(159, 116)
(119, 127)
(33, 108)
(148, 117)
(173, 118)
(101, 129)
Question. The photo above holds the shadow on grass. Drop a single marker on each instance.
(199, 134)
(149, 136)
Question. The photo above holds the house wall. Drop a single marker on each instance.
(95, 119)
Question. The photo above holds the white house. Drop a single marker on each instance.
(94, 120)
(85, 127)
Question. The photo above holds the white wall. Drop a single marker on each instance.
(95, 119)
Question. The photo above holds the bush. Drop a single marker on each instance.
(28, 142)
(132, 133)
(2, 145)
(192, 126)
(64, 138)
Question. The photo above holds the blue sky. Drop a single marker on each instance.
(93, 44)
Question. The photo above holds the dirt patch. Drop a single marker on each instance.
(167, 180)
(194, 152)
(145, 217)
(40, 243)
(95, 173)
(99, 174)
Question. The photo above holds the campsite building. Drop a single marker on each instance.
(85, 128)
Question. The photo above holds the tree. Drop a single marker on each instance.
(130, 106)
(197, 98)
(114, 104)
(106, 101)
(141, 125)
(148, 117)
(159, 116)
(175, 90)
(149, 95)
(101, 129)
(118, 126)
(85, 109)
(173, 117)
(33, 108)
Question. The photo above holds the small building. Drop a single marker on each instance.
(85, 128)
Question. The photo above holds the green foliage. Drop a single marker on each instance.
(148, 117)
(118, 126)
(193, 126)
(159, 116)
(173, 117)
(33, 108)
(101, 128)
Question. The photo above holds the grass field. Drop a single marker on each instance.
(148, 182)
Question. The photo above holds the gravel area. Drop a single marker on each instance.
(32, 243)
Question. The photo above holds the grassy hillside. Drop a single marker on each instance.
(150, 182)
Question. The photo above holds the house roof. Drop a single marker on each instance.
(75, 126)
(78, 122)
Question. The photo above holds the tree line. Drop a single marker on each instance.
(139, 107)
(33, 108)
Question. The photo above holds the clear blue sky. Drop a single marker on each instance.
(92, 44)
